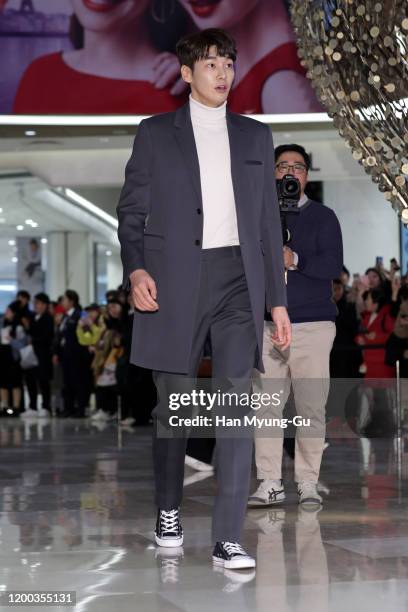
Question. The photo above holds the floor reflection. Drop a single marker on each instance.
(77, 513)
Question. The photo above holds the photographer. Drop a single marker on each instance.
(313, 256)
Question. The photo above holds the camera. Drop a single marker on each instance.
(288, 189)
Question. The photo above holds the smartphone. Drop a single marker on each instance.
(356, 276)
(394, 264)
(379, 262)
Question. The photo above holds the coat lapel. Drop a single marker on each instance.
(186, 142)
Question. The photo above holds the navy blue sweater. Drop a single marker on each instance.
(316, 238)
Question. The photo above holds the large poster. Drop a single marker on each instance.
(30, 275)
(117, 56)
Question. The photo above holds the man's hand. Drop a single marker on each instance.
(144, 292)
(282, 335)
(288, 257)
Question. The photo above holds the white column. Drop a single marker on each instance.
(79, 257)
(56, 272)
(114, 269)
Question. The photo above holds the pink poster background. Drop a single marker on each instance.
(117, 56)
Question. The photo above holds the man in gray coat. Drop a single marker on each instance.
(202, 251)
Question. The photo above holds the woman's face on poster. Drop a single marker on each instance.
(218, 13)
(107, 15)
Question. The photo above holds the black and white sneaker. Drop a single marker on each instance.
(269, 493)
(308, 495)
(231, 555)
(169, 532)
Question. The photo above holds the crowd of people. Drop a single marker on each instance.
(371, 325)
(77, 358)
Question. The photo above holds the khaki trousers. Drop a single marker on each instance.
(305, 366)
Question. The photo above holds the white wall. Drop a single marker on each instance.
(369, 225)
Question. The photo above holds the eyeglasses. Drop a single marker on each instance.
(297, 168)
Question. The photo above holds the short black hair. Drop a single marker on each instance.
(42, 297)
(377, 295)
(72, 296)
(296, 149)
(14, 307)
(195, 47)
(24, 294)
(346, 271)
(111, 294)
(338, 281)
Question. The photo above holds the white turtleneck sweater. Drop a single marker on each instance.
(213, 149)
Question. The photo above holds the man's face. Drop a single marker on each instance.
(293, 163)
(211, 80)
(40, 307)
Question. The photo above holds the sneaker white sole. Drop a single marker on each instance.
(259, 503)
(169, 543)
(310, 502)
(246, 563)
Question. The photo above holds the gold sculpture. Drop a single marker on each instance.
(356, 54)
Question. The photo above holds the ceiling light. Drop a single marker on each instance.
(28, 221)
(44, 241)
(2, 220)
(34, 224)
(14, 259)
(12, 242)
(20, 227)
(9, 288)
(89, 206)
(30, 133)
(1, 210)
(108, 253)
(129, 121)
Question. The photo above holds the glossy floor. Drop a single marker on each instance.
(77, 515)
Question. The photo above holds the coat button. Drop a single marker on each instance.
(197, 243)
(198, 211)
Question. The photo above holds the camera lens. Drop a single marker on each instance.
(291, 187)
